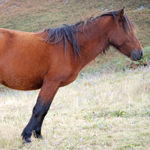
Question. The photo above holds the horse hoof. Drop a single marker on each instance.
(41, 137)
(25, 142)
(38, 136)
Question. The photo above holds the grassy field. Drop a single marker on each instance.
(97, 111)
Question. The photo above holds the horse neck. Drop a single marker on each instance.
(94, 40)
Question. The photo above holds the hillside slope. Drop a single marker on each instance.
(27, 16)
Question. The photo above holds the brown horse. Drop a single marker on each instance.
(53, 58)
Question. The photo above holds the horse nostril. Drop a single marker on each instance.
(137, 55)
(141, 52)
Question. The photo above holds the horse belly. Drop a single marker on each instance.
(22, 82)
(23, 64)
(21, 76)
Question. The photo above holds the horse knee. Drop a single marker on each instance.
(37, 112)
(38, 109)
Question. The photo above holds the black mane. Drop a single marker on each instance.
(64, 32)
(67, 32)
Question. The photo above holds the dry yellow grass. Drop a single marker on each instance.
(97, 111)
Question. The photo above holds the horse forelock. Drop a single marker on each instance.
(128, 26)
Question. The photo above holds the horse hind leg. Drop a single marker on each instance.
(40, 110)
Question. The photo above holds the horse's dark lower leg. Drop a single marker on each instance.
(44, 101)
(38, 111)
(37, 129)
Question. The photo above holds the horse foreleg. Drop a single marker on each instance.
(37, 129)
(40, 109)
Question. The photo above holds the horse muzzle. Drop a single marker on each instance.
(137, 55)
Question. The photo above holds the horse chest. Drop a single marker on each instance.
(68, 81)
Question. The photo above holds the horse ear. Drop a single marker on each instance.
(120, 14)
